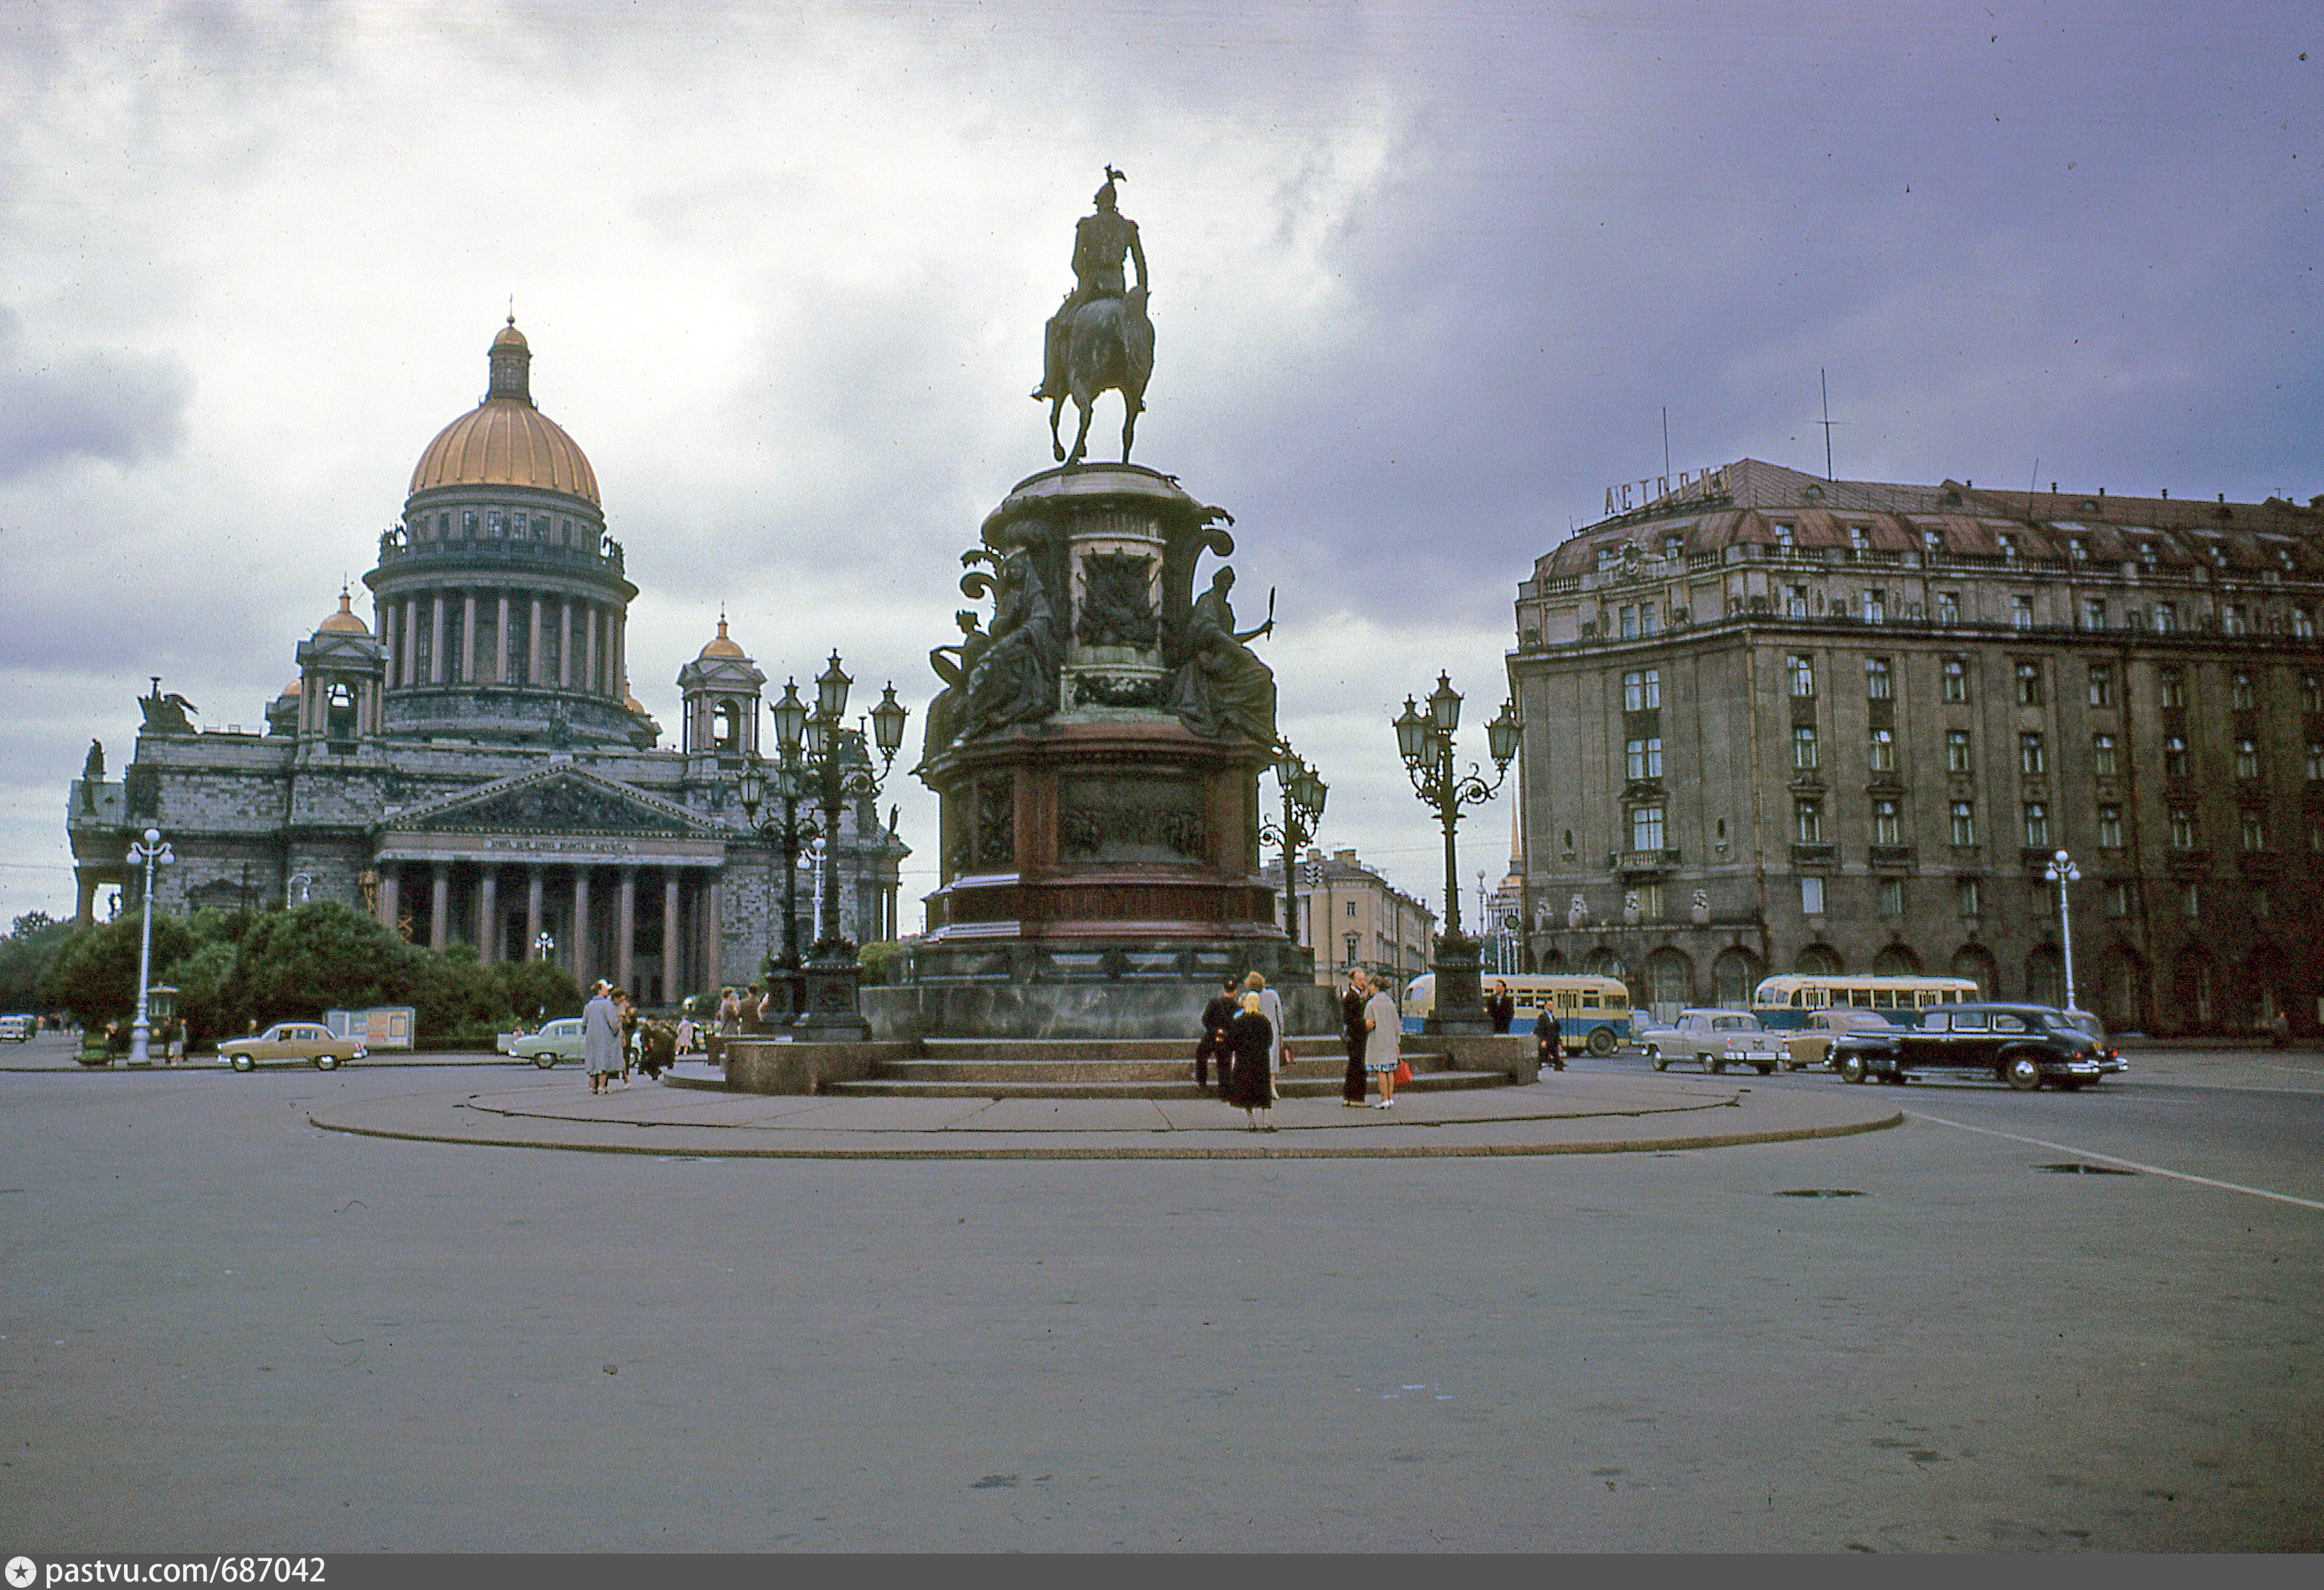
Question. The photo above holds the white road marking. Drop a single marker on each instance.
(2044, 1142)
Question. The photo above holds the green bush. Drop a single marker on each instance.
(538, 991)
(883, 963)
(95, 976)
(31, 949)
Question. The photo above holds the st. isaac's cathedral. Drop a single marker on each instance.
(471, 765)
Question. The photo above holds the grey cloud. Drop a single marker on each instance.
(96, 403)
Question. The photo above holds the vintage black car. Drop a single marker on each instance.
(2023, 1045)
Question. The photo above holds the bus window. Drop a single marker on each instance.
(1589, 999)
(1799, 998)
(1617, 1002)
(1861, 998)
(1883, 1000)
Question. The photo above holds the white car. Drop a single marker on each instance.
(1717, 1039)
(291, 1042)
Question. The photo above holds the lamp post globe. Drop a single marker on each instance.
(150, 851)
(1424, 742)
(2061, 871)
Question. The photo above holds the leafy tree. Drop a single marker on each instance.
(206, 1001)
(95, 975)
(538, 990)
(882, 962)
(455, 997)
(297, 964)
(25, 955)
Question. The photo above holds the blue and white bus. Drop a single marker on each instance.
(1784, 1003)
(1592, 1012)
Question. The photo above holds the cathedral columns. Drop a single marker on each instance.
(436, 640)
(439, 902)
(714, 937)
(565, 642)
(581, 966)
(388, 872)
(468, 638)
(488, 916)
(532, 908)
(669, 921)
(625, 928)
(532, 645)
(501, 644)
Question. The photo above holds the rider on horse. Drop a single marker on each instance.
(1100, 242)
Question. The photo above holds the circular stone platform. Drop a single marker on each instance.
(1566, 1114)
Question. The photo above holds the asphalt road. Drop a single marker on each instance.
(222, 1329)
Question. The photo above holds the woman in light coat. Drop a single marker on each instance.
(601, 1038)
(1383, 1029)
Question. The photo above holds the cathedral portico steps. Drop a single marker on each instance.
(1149, 1069)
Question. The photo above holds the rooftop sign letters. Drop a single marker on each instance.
(1698, 486)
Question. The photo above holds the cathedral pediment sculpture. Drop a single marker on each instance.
(561, 803)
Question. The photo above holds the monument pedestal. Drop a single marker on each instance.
(1460, 990)
(1099, 854)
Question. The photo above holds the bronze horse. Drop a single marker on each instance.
(1111, 348)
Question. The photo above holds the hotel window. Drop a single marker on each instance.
(1876, 606)
(1880, 751)
(2118, 901)
(1932, 543)
(2102, 761)
(1648, 624)
(1783, 535)
(2246, 759)
(1892, 897)
(1856, 539)
(2255, 831)
(2021, 613)
(1812, 896)
(1804, 750)
(2182, 828)
(2312, 693)
(1967, 897)
(2008, 545)
(1964, 828)
(1630, 624)
(2078, 549)
(2029, 684)
(2166, 617)
(2101, 684)
(1878, 686)
(2147, 553)
(2033, 755)
(2240, 694)
(1795, 601)
(1352, 908)
(1952, 681)
(1888, 826)
(1802, 673)
(2235, 620)
(1673, 545)
(2094, 613)
(2037, 825)
(2303, 625)
(2316, 761)
(2175, 756)
(2173, 688)
(2190, 901)
(1642, 689)
(2109, 827)
(1956, 751)
(1646, 829)
(1642, 757)
(1948, 607)
(1807, 822)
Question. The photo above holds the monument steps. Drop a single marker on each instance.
(1080, 1067)
(1176, 1051)
(1182, 1087)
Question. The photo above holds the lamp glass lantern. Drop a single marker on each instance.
(831, 691)
(751, 784)
(1505, 732)
(1444, 705)
(888, 724)
(790, 718)
(1412, 733)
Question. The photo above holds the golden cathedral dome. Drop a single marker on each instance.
(505, 440)
(342, 622)
(722, 646)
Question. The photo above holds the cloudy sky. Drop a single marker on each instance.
(1425, 278)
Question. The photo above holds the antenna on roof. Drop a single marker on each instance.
(1828, 423)
(1666, 441)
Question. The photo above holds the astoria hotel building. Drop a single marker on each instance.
(472, 765)
(1776, 722)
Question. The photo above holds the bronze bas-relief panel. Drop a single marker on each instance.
(1132, 819)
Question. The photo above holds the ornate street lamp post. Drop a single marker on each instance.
(2061, 871)
(838, 769)
(1303, 807)
(1424, 740)
(788, 835)
(151, 851)
(295, 890)
(544, 947)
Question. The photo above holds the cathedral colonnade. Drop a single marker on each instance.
(650, 927)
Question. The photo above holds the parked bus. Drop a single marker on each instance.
(1592, 1012)
(1785, 1002)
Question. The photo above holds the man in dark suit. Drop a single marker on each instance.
(1216, 1015)
(1351, 1034)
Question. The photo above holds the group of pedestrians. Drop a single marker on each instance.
(614, 1038)
(1243, 1037)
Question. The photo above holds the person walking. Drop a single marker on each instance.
(1351, 1034)
(601, 1038)
(1270, 1005)
(657, 1049)
(1250, 1082)
(730, 1013)
(1216, 1017)
(1382, 1030)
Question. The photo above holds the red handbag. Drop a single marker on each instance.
(1403, 1073)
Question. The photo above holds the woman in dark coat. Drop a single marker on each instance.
(1250, 1082)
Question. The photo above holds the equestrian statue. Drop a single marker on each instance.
(1099, 338)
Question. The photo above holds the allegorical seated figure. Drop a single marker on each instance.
(1223, 690)
(1015, 680)
(952, 664)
